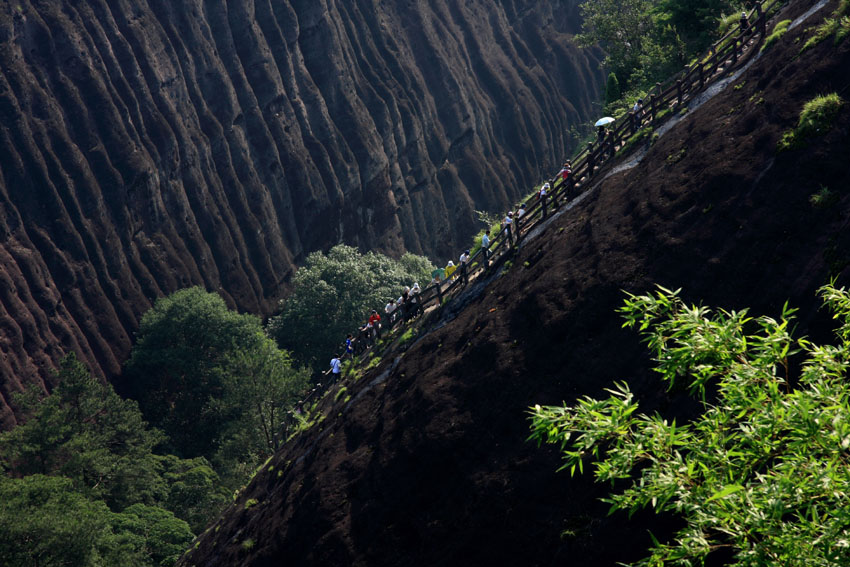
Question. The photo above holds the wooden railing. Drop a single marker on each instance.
(678, 90)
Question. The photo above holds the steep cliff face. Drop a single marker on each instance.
(425, 461)
(147, 146)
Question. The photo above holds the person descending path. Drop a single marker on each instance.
(450, 270)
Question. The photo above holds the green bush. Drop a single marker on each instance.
(816, 118)
(763, 472)
(778, 31)
(838, 25)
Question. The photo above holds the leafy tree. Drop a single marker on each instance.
(267, 387)
(212, 379)
(612, 89)
(623, 27)
(333, 295)
(84, 431)
(87, 434)
(647, 40)
(696, 21)
(46, 522)
(177, 366)
(763, 473)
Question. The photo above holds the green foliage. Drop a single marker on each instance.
(837, 25)
(623, 27)
(817, 116)
(44, 520)
(677, 156)
(263, 386)
(213, 380)
(648, 40)
(612, 89)
(763, 472)
(697, 21)
(87, 434)
(194, 490)
(333, 295)
(778, 31)
(823, 199)
(84, 431)
(638, 137)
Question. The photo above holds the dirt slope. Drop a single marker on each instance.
(149, 146)
(427, 464)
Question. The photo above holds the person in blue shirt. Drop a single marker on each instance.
(336, 367)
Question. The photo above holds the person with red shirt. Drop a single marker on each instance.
(375, 321)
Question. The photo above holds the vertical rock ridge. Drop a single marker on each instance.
(148, 146)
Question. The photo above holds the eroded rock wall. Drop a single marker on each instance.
(147, 146)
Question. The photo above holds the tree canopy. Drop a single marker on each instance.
(82, 485)
(647, 40)
(212, 380)
(763, 473)
(333, 294)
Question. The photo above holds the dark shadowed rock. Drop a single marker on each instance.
(148, 146)
(425, 461)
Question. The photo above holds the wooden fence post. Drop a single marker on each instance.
(679, 92)
(701, 75)
(652, 108)
(762, 20)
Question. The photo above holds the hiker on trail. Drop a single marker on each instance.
(520, 211)
(450, 270)
(543, 190)
(637, 114)
(464, 267)
(600, 135)
(506, 226)
(390, 311)
(438, 275)
(638, 106)
(349, 346)
(485, 243)
(745, 22)
(375, 322)
(336, 367)
(565, 171)
(411, 305)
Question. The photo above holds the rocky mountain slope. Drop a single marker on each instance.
(148, 146)
(427, 463)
